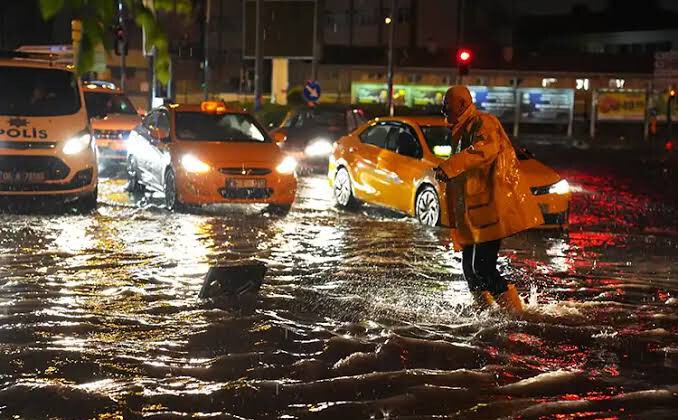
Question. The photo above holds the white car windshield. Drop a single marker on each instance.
(199, 126)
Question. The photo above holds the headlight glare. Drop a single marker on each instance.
(194, 165)
(318, 147)
(560, 187)
(287, 166)
(77, 144)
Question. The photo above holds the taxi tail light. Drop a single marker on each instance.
(213, 107)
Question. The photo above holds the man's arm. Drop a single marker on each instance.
(480, 153)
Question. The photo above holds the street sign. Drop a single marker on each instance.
(312, 91)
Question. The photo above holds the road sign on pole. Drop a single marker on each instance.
(312, 91)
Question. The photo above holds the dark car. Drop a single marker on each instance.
(310, 132)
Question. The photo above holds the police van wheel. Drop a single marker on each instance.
(172, 201)
(427, 206)
(88, 203)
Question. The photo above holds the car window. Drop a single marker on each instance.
(199, 126)
(150, 120)
(38, 92)
(376, 135)
(100, 104)
(402, 139)
(163, 121)
(289, 120)
(439, 139)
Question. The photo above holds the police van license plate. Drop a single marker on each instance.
(246, 183)
(9, 177)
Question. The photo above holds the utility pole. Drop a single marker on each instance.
(123, 64)
(314, 63)
(391, 22)
(460, 33)
(258, 59)
(206, 50)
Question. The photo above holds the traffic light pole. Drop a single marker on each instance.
(258, 57)
(123, 64)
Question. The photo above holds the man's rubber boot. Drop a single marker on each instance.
(483, 299)
(510, 301)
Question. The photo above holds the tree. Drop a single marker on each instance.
(99, 16)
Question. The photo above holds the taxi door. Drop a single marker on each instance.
(401, 165)
(367, 181)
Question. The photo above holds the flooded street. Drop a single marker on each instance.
(361, 315)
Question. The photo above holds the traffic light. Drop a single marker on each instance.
(464, 57)
(120, 40)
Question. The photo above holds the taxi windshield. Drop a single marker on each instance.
(200, 126)
(100, 104)
(38, 92)
(437, 135)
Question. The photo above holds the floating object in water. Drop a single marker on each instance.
(234, 280)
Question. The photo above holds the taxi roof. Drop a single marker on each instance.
(197, 108)
(99, 89)
(35, 63)
(417, 120)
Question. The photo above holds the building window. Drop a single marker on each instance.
(548, 82)
(404, 15)
(617, 83)
(582, 84)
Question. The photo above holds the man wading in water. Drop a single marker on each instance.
(490, 202)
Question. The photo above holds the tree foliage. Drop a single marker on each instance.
(99, 17)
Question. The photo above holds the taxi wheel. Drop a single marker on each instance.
(134, 185)
(171, 197)
(343, 192)
(88, 203)
(427, 206)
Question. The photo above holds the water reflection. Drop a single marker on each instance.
(363, 315)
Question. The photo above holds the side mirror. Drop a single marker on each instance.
(279, 136)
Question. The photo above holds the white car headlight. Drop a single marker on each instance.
(318, 148)
(560, 187)
(77, 144)
(193, 164)
(287, 166)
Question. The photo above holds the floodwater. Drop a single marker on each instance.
(362, 315)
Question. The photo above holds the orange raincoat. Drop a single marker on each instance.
(489, 200)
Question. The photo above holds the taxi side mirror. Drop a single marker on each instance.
(279, 136)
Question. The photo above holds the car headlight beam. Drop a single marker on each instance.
(287, 166)
(194, 165)
(77, 144)
(560, 187)
(318, 148)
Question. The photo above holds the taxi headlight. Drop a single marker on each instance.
(318, 147)
(560, 187)
(194, 165)
(77, 144)
(287, 166)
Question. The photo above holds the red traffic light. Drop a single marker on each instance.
(464, 56)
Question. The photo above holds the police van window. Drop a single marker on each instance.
(38, 92)
(376, 135)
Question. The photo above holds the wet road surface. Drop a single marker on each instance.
(362, 315)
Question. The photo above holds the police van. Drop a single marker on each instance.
(46, 143)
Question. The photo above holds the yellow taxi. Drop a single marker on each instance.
(209, 154)
(46, 146)
(112, 116)
(390, 162)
